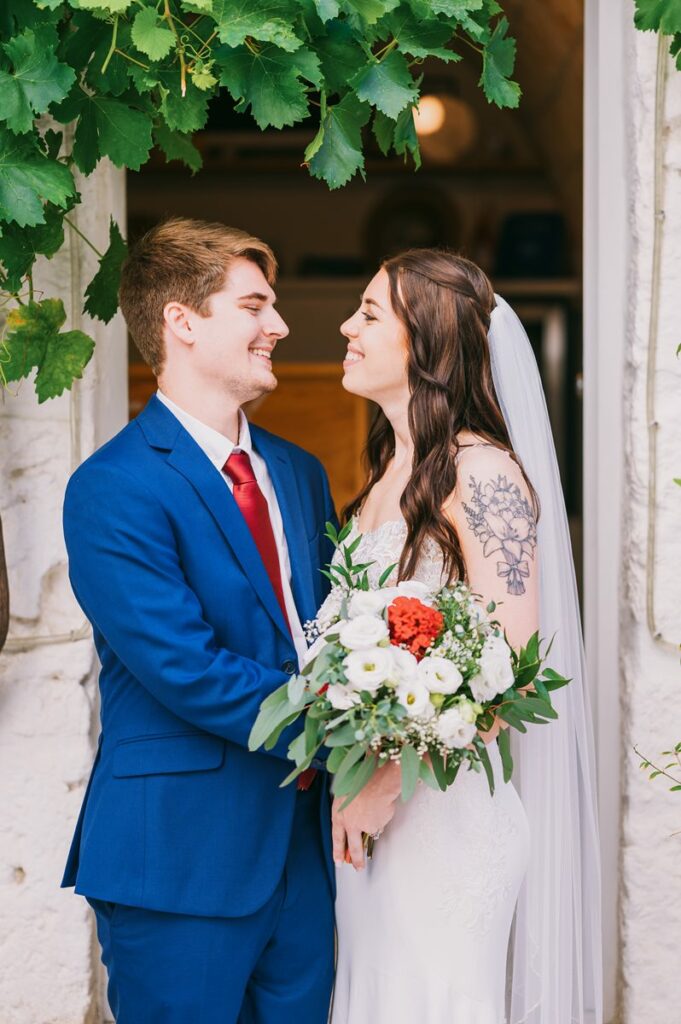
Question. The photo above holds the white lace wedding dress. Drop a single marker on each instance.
(423, 931)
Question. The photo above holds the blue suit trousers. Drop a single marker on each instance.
(274, 966)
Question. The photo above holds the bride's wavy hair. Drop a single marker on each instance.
(445, 303)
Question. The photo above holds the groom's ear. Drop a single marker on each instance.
(177, 318)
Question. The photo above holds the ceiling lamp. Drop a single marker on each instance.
(429, 116)
(446, 127)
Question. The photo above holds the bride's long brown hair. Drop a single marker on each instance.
(444, 302)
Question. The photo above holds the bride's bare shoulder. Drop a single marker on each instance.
(487, 472)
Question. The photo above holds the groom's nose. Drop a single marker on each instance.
(276, 326)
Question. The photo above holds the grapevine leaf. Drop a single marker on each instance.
(267, 21)
(384, 130)
(86, 144)
(144, 80)
(108, 72)
(37, 79)
(370, 11)
(106, 6)
(309, 67)
(327, 9)
(340, 155)
(34, 340)
(66, 357)
(151, 35)
(101, 295)
(269, 82)
(456, 9)
(387, 84)
(406, 138)
(177, 146)
(186, 113)
(197, 6)
(84, 35)
(421, 38)
(658, 16)
(498, 61)
(20, 246)
(27, 177)
(341, 55)
(203, 78)
(107, 127)
(124, 133)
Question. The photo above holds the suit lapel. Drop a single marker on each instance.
(284, 479)
(187, 458)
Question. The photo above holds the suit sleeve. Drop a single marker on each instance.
(126, 574)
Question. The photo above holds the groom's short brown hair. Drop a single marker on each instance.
(185, 261)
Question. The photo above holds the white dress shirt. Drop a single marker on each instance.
(218, 449)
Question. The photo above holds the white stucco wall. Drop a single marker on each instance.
(48, 971)
(650, 901)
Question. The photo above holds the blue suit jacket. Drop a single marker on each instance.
(178, 815)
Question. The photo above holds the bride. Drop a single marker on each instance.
(473, 909)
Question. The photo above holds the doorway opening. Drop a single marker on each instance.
(502, 187)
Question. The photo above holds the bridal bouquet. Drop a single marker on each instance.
(400, 673)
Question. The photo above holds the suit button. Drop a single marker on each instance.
(289, 667)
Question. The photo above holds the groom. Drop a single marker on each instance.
(195, 543)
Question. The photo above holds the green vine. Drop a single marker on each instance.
(663, 16)
(128, 76)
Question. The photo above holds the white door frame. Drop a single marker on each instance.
(606, 255)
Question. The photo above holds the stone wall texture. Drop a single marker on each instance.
(650, 905)
(49, 972)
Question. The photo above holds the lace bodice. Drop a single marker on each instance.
(383, 546)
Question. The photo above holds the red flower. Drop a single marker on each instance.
(413, 625)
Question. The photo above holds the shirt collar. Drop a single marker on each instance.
(215, 445)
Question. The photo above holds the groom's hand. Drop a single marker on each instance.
(369, 812)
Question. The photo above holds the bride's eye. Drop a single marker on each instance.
(368, 317)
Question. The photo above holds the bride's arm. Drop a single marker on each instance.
(494, 516)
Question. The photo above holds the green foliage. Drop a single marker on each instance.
(662, 16)
(34, 341)
(127, 76)
(101, 293)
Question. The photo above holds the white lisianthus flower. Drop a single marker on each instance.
(439, 674)
(415, 697)
(496, 669)
(407, 588)
(366, 670)
(341, 697)
(453, 729)
(481, 689)
(363, 632)
(366, 602)
(404, 665)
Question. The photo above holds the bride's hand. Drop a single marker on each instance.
(369, 812)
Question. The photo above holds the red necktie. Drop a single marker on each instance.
(253, 506)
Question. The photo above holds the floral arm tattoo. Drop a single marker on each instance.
(503, 521)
